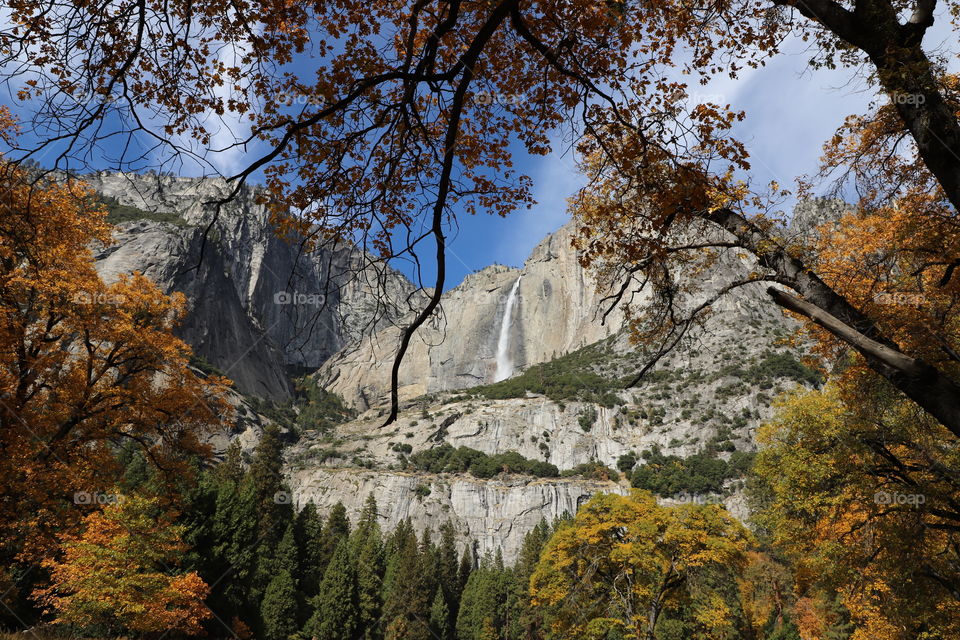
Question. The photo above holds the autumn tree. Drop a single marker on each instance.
(119, 573)
(864, 502)
(624, 561)
(86, 367)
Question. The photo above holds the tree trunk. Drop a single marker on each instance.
(920, 381)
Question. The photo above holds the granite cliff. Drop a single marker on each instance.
(562, 402)
(260, 307)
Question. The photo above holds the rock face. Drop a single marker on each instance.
(259, 306)
(489, 515)
(495, 514)
(556, 311)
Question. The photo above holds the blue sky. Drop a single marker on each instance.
(791, 110)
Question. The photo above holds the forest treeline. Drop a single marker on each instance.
(239, 560)
(236, 558)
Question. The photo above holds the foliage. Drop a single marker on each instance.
(771, 367)
(483, 607)
(587, 418)
(592, 471)
(320, 409)
(407, 589)
(278, 611)
(118, 573)
(446, 459)
(627, 462)
(670, 475)
(119, 213)
(623, 561)
(860, 501)
(85, 366)
(336, 607)
(571, 376)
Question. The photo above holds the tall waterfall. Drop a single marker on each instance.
(504, 363)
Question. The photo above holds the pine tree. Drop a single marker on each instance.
(406, 608)
(842, 628)
(308, 532)
(336, 606)
(369, 553)
(366, 524)
(336, 528)
(447, 575)
(429, 563)
(266, 473)
(464, 571)
(278, 611)
(231, 469)
(273, 509)
(285, 557)
(440, 617)
(483, 605)
(524, 619)
(233, 553)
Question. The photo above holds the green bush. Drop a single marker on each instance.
(571, 376)
(587, 418)
(772, 366)
(592, 470)
(422, 490)
(446, 459)
(319, 409)
(627, 462)
(699, 473)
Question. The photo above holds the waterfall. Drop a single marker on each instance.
(504, 364)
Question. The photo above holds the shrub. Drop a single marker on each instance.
(627, 462)
(699, 473)
(320, 409)
(422, 490)
(592, 470)
(118, 213)
(587, 418)
(446, 459)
